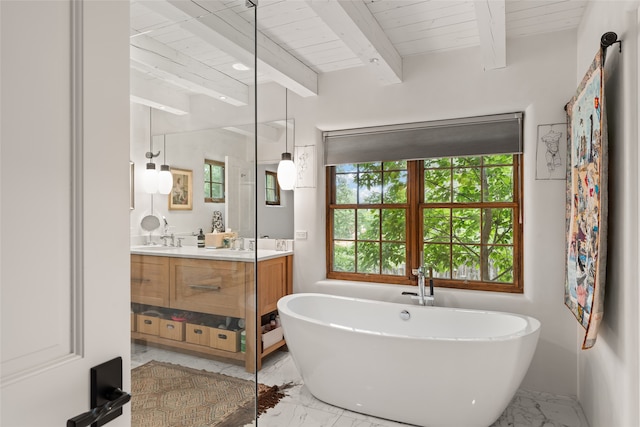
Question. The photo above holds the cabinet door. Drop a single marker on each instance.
(273, 282)
(207, 286)
(150, 280)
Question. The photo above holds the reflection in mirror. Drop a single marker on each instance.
(223, 172)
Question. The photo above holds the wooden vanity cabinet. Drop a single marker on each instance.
(150, 280)
(208, 286)
(217, 287)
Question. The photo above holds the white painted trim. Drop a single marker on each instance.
(491, 20)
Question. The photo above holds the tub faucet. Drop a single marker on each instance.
(422, 297)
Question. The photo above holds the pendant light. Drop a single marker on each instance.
(286, 168)
(165, 179)
(150, 177)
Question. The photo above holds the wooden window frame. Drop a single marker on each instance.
(415, 204)
(277, 188)
(211, 163)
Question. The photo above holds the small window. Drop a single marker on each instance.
(213, 181)
(272, 189)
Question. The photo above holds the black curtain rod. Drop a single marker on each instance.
(607, 39)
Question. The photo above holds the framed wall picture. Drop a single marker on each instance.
(551, 151)
(305, 160)
(181, 196)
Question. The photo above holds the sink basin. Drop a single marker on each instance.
(151, 248)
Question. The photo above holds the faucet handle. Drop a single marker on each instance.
(179, 245)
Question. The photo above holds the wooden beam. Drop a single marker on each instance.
(490, 17)
(229, 32)
(153, 94)
(156, 58)
(359, 30)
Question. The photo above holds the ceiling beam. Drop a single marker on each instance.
(156, 58)
(359, 30)
(152, 94)
(226, 30)
(491, 19)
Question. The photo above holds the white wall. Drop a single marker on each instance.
(608, 373)
(539, 80)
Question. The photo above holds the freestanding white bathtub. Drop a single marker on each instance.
(440, 367)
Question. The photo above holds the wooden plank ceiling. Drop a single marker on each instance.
(185, 47)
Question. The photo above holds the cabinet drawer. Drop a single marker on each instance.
(223, 339)
(150, 280)
(206, 286)
(197, 334)
(172, 330)
(148, 324)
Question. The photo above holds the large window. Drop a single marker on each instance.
(213, 181)
(458, 216)
(271, 189)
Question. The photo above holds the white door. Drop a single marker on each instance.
(64, 204)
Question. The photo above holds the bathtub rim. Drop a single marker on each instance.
(532, 327)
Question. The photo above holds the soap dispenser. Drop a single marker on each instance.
(201, 239)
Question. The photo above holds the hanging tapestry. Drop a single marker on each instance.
(586, 204)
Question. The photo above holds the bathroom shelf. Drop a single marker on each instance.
(273, 348)
(185, 346)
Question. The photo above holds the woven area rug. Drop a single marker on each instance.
(167, 395)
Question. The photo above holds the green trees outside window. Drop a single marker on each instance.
(461, 214)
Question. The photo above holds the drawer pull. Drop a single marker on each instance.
(148, 322)
(170, 326)
(140, 280)
(206, 287)
(222, 336)
(198, 331)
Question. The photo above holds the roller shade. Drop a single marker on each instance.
(495, 134)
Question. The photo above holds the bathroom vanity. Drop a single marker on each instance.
(199, 300)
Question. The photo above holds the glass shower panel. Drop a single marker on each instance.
(194, 313)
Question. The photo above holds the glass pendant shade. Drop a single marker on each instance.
(286, 172)
(150, 179)
(165, 180)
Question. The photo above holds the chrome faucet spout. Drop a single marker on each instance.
(422, 297)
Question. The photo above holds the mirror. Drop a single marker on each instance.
(232, 147)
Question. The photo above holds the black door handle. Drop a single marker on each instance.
(116, 400)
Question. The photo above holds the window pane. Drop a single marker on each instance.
(466, 161)
(370, 188)
(344, 256)
(498, 159)
(497, 226)
(395, 187)
(394, 225)
(271, 195)
(394, 259)
(437, 225)
(498, 184)
(207, 173)
(437, 257)
(270, 181)
(207, 189)
(466, 185)
(346, 189)
(399, 165)
(349, 167)
(466, 225)
(370, 167)
(368, 257)
(437, 185)
(500, 268)
(344, 224)
(368, 224)
(437, 163)
(466, 262)
(217, 191)
(217, 173)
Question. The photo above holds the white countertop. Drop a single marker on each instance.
(208, 253)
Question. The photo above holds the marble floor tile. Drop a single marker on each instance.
(300, 409)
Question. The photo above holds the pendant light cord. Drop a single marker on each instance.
(286, 120)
